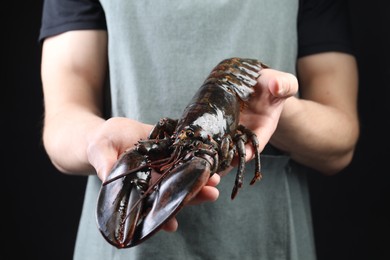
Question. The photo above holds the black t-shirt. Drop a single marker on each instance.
(323, 25)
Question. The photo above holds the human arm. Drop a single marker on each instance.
(320, 128)
(74, 66)
(77, 138)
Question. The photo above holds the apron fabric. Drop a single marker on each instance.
(160, 53)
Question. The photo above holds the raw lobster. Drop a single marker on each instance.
(185, 153)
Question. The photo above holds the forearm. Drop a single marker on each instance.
(316, 135)
(73, 79)
(65, 137)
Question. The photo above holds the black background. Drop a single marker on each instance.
(41, 207)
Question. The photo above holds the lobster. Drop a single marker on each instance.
(185, 153)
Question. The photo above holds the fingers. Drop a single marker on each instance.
(214, 180)
(207, 193)
(280, 84)
(171, 225)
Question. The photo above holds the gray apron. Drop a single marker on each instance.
(160, 53)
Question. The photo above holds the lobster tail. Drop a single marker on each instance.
(239, 75)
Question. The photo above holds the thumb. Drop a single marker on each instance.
(280, 84)
(102, 158)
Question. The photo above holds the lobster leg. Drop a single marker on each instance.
(255, 144)
(241, 140)
(163, 129)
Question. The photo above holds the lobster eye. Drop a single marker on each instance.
(189, 133)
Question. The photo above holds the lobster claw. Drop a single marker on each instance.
(175, 190)
(120, 204)
(130, 211)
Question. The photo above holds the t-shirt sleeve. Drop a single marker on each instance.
(323, 25)
(59, 16)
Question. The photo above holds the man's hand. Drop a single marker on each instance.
(265, 106)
